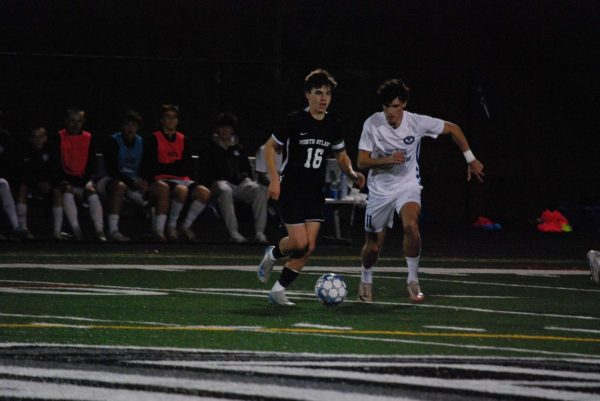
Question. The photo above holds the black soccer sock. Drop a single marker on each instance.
(287, 277)
(277, 254)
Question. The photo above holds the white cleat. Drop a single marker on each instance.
(266, 266)
(593, 258)
(261, 238)
(238, 238)
(279, 298)
(118, 237)
(365, 292)
(188, 234)
(414, 292)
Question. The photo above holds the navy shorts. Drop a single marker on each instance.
(297, 208)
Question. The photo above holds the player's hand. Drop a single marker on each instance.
(274, 189)
(397, 158)
(475, 168)
(359, 180)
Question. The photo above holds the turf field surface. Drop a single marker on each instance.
(502, 332)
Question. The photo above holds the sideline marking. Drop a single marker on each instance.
(456, 328)
(572, 329)
(320, 326)
(311, 331)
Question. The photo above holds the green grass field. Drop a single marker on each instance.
(472, 312)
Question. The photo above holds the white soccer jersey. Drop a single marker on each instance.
(379, 138)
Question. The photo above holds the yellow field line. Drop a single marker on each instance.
(306, 331)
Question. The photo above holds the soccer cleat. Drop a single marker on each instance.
(118, 237)
(159, 237)
(279, 298)
(266, 266)
(414, 292)
(100, 236)
(593, 258)
(61, 236)
(365, 292)
(187, 233)
(260, 238)
(238, 238)
(172, 234)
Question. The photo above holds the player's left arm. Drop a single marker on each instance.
(475, 167)
(346, 166)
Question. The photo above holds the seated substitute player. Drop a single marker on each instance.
(73, 156)
(123, 161)
(169, 169)
(593, 258)
(229, 170)
(8, 155)
(388, 147)
(307, 136)
(36, 180)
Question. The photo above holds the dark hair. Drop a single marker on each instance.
(165, 108)
(132, 116)
(318, 78)
(391, 89)
(73, 110)
(226, 120)
(37, 127)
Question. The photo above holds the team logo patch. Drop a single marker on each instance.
(409, 139)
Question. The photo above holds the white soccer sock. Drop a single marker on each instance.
(96, 212)
(195, 209)
(8, 204)
(174, 213)
(161, 219)
(71, 210)
(113, 223)
(366, 275)
(22, 215)
(57, 213)
(277, 287)
(413, 269)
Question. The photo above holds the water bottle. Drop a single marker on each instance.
(334, 189)
(343, 186)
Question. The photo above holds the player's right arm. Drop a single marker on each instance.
(366, 145)
(365, 162)
(271, 148)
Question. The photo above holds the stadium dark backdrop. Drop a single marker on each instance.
(532, 64)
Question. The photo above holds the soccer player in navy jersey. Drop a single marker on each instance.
(306, 137)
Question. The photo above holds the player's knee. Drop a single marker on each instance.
(202, 194)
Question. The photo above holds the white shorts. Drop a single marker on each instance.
(379, 212)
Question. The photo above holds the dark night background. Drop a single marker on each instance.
(534, 63)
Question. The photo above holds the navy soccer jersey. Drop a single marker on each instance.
(307, 143)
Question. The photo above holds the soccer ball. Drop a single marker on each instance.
(331, 289)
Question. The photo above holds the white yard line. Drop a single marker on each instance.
(454, 328)
(320, 326)
(575, 330)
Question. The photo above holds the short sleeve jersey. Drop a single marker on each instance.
(307, 143)
(379, 138)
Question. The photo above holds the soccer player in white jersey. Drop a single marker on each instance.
(389, 148)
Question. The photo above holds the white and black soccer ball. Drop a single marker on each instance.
(331, 289)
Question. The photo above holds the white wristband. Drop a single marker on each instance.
(469, 156)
